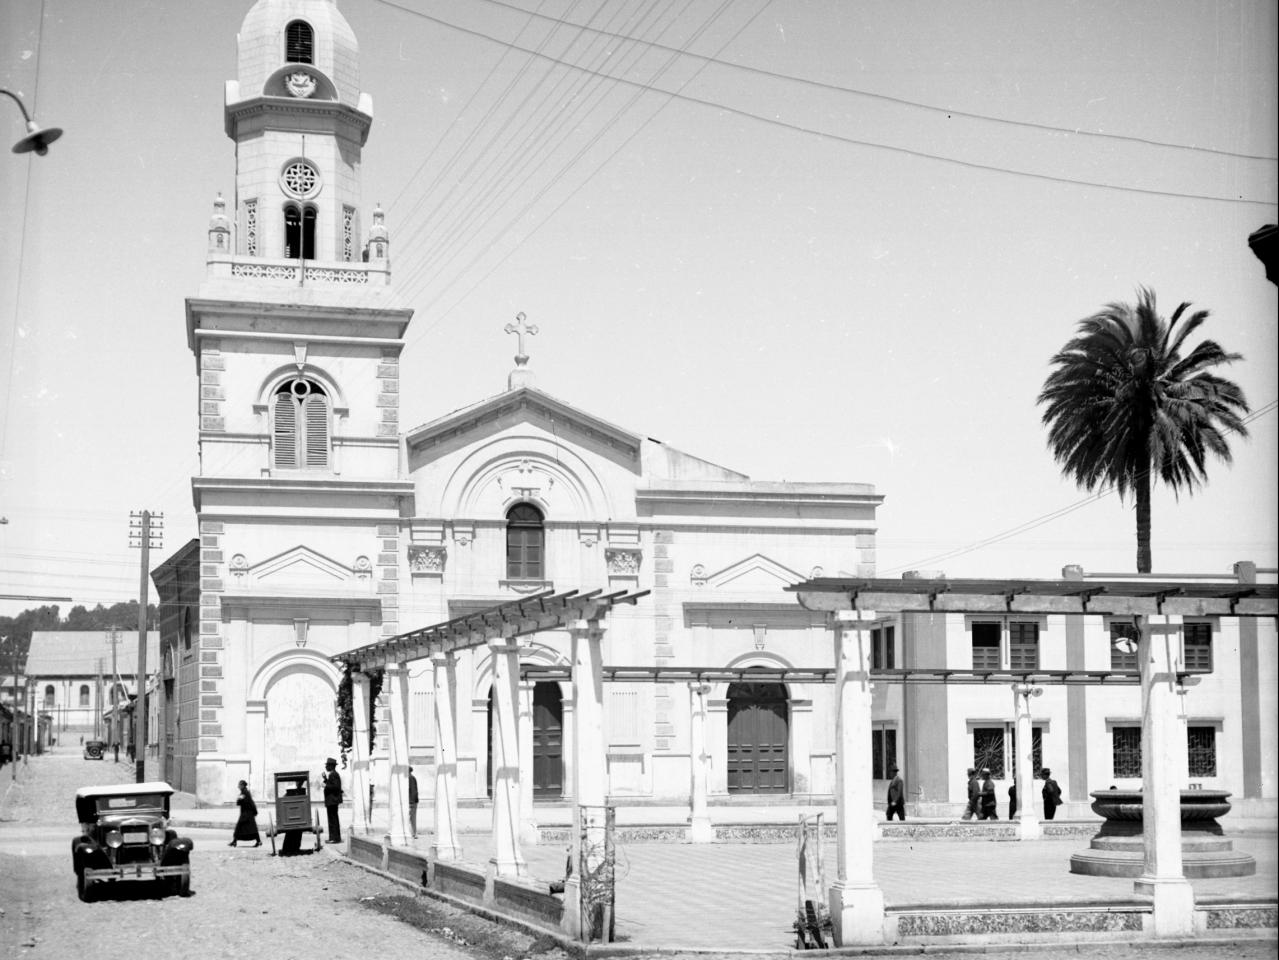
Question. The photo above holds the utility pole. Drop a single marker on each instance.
(145, 532)
(97, 699)
(13, 727)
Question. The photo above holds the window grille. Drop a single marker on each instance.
(988, 750)
(301, 426)
(348, 233)
(525, 537)
(1036, 748)
(251, 227)
(1023, 646)
(1123, 646)
(1197, 647)
(299, 42)
(986, 646)
(1126, 751)
(1201, 749)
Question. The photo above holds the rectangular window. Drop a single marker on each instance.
(1196, 645)
(1123, 646)
(883, 752)
(1201, 749)
(1023, 646)
(883, 653)
(986, 646)
(1126, 751)
(988, 750)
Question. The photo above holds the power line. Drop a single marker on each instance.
(1047, 517)
(854, 141)
(838, 88)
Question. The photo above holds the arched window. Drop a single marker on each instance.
(84, 694)
(301, 425)
(48, 697)
(525, 538)
(299, 232)
(299, 42)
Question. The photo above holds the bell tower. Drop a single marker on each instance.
(299, 122)
(297, 334)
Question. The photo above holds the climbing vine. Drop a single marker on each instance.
(346, 710)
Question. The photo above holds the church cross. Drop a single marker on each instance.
(520, 329)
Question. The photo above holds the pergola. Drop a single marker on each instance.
(851, 606)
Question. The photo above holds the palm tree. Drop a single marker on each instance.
(1123, 403)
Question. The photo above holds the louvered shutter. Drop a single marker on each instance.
(286, 431)
(315, 410)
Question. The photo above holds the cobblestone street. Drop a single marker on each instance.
(244, 904)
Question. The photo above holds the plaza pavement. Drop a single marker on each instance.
(743, 896)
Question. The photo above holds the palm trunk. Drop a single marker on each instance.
(1143, 522)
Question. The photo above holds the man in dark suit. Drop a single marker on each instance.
(1051, 794)
(412, 804)
(989, 803)
(332, 799)
(974, 794)
(896, 795)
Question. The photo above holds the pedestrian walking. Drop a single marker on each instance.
(412, 804)
(1051, 794)
(989, 805)
(974, 794)
(246, 828)
(896, 795)
(1012, 801)
(332, 798)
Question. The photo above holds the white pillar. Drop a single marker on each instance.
(1028, 826)
(589, 761)
(856, 901)
(717, 746)
(566, 732)
(700, 829)
(397, 690)
(1163, 879)
(529, 834)
(507, 860)
(359, 752)
(444, 675)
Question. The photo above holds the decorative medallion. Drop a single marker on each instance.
(363, 568)
(300, 83)
(427, 559)
(622, 562)
(697, 577)
(239, 566)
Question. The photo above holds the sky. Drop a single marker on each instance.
(808, 240)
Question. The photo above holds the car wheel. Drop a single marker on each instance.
(181, 886)
(84, 887)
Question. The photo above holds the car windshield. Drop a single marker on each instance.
(140, 801)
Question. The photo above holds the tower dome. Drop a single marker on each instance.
(278, 32)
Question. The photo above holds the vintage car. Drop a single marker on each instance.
(125, 835)
(94, 749)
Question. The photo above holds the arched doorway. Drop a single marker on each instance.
(548, 740)
(758, 734)
(300, 727)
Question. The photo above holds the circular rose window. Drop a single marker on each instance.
(300, 179)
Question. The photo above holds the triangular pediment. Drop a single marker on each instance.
(524, 405)
(754, 573)
(301, 567)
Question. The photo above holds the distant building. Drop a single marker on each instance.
(70, 675)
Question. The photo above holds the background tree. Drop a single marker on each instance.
(1123, 403)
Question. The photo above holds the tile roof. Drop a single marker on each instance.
(60, 653)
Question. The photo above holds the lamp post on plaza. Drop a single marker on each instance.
(37, 139)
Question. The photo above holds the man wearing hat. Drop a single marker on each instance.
(896, 795)
(1051, 794)
(974, 794)
(989, 805)
(332, 799)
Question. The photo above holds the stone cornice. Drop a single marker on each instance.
(273, 485)
(347, 120)
(758, 491)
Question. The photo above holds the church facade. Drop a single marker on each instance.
(325, 524)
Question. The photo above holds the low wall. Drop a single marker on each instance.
(527, 901)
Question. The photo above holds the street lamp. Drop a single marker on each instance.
(37, 139)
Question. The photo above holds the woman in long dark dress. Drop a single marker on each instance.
(246, 828)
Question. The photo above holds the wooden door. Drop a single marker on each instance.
(758, 732)
(548, 740)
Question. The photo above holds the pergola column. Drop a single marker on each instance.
(856, 901)
(529, 833)
(567, 726)
(444, 676)
(507, 860)
(397, 689)
(700, 829)
(359, 752)
(1028, 826)
(1163, 879)
(589, 765)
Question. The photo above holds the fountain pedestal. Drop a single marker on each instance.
(1118, 849)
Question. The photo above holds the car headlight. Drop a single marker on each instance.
(157, 835)
(114, 839)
